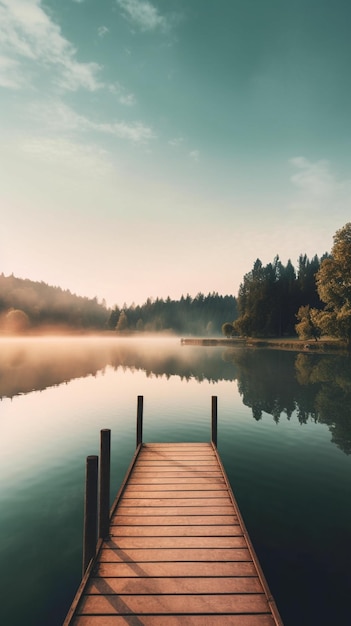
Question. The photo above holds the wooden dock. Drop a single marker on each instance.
(177, 552)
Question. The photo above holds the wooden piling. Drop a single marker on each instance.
(139, 433)
(214, 420)
(104, 483)
(90, 511)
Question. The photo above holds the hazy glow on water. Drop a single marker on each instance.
(292, 483)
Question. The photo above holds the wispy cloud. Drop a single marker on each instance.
(137, 131)
(318, 187)
(28, 35)
(315, 179)
(11, 76)
(68, 154)
(123, 95)
(142, 14)
(176, 142)
(57, 117)
(194, 155)
(102, 31)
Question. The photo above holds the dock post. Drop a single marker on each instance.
(90, 511)
(104, 483)
(139, 434)
(214, 421)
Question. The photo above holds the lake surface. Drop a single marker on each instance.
(284, 436)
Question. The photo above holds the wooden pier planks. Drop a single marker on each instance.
(178, 551)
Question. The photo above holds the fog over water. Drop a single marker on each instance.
(33, 363)
(284, 436)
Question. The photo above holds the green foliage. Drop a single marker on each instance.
(228, 329)
(47, 306)
(44, 305)
(270, 296)
(122, 323)
(202, 315)
(334, 287)
(15, 321)
(307, 326)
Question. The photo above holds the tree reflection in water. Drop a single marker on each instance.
(317, 387)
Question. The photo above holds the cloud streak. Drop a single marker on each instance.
(194, 155)
(318, 188)
(58, 117)
(102, 31)
(10, 74)
(68, 155)
(142, 14)
(313, 178)
(29, 36)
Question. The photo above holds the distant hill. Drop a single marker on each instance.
(29, 306)
(26, 304)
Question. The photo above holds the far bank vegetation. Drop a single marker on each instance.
(313, 301)
(32, 307)
(274, 301)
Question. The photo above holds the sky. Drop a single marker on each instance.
(158, 148)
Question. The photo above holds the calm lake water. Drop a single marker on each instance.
(284, 435)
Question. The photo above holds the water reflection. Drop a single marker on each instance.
(316, 387)
(39, 363)
(276, 472)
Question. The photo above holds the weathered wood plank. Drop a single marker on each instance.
(191, 462)
(178, 445)
(174, 620)
(176, 472)
(170, 502)
(175, 494)
(176, 454)
(176, 458)
(198, 489)
(178, 552)
(173, 510)
(137, 555)
(170, 569)
(176, 531)
(178, 520)
(168, 604)
(175, 542)
(199, 585)
(177, 480)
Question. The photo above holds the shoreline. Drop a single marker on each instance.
(292, 343)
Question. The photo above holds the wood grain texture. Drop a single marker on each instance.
(178, 551)
(174, 620)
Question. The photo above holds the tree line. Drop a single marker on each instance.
(202, 315)
(27, 304)
(275, 300)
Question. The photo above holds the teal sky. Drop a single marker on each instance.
(155, 148)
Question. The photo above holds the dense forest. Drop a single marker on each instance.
(275, 300)
(202, 315)
(270, 297)
(25, 304)
(28, 306)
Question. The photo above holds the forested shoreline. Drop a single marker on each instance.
(28, 307)
(270, 297)
(274, 300)
(315, 301)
